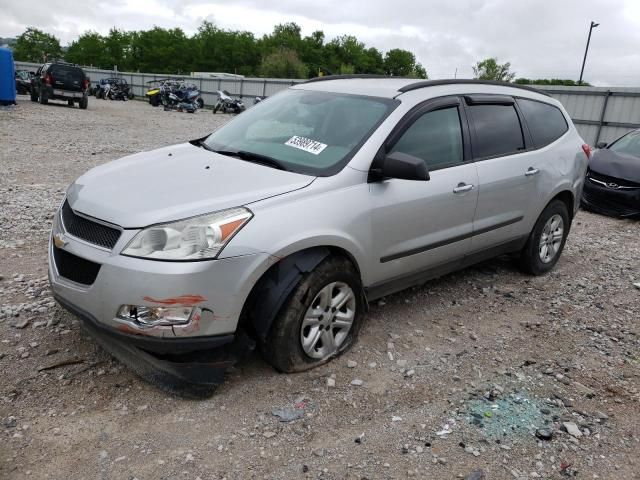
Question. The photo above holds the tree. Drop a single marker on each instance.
(36, 46)
(551, 81)
(283, 64)
(402, 63)
(89, 49)
(490, 69)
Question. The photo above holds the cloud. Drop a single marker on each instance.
(540, 39)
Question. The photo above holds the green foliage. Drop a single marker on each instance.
(490, 69)
(89, 49)
(551, 81)
(36, 46)
(402, 63)
(282, 53)
(283, 64)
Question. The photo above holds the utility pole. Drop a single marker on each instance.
(586, 50)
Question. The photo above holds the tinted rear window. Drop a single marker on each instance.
(498, 130)
(65, 73)
(546, 122)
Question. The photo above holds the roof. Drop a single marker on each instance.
(391, 87)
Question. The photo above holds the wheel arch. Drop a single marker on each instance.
(276, 284)
(566, 197)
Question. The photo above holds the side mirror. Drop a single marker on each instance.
(601, 145)
(405, 167)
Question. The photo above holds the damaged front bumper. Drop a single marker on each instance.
(189, 367)
(188, 357)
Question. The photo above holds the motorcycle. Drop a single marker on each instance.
(186, 97)
(227, 104)
(155, 94)
(116, 92)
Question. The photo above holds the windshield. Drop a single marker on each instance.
(629, 144)
(307, 132)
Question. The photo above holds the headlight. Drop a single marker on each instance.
(197, 238)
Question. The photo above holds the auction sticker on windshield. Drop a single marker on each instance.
(306, 144)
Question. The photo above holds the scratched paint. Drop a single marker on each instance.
(184, 300)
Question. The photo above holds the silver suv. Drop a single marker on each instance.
(278, 228)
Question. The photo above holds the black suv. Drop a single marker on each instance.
(60, 81)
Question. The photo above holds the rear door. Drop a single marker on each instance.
(66, 77)
(419, 225)
(508, 171)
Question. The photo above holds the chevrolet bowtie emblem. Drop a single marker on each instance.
(59, 241)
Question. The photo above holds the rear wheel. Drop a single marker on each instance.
(34, 96)
(84, 103)
(547, 239)
(42, 98)
(319, 320)
(200, 103)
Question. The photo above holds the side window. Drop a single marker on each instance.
(435, 137)
(498, 130)
(546, 122)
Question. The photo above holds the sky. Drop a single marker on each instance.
(541, 38)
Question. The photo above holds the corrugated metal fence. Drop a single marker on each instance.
(599, 113)
(140, 82)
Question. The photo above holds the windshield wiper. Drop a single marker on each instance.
(253, 157)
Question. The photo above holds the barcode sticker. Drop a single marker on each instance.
(306, 144)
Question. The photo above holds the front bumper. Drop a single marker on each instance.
(172, 356)
(610, 201)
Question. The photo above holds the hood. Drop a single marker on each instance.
(175, 182)
(617, 165)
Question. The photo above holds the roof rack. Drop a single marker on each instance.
(349, 77)
(427, 83)
(466, 81)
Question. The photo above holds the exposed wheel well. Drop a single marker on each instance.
(276, 284)
(567, 198)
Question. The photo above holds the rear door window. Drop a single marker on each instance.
(546, 122)
(435, 137)
(498, 130)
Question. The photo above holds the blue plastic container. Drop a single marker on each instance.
(7, 78)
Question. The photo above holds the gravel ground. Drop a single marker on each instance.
(485, 373)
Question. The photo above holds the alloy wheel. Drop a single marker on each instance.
(551, 238)
(328, 320)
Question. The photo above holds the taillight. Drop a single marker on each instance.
(587, 150)
(85, 84)
(48, 79)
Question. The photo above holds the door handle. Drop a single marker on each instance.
(531, 171)
(462, 188)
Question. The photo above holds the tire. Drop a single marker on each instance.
(295, 321)
(34, 96)
(84, 103)
(130, 96)
(200, 103)
(216, 108)
(535, 257)
(42, 98)
(70, 103)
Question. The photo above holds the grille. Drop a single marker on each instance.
(75, 268)
(607, 179)
(87, 230)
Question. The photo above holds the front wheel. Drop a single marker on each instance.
(546, 240)
(200, 103)
(216, 108)
(319, 320)
(130, 96)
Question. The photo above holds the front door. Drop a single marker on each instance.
(417, 225)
